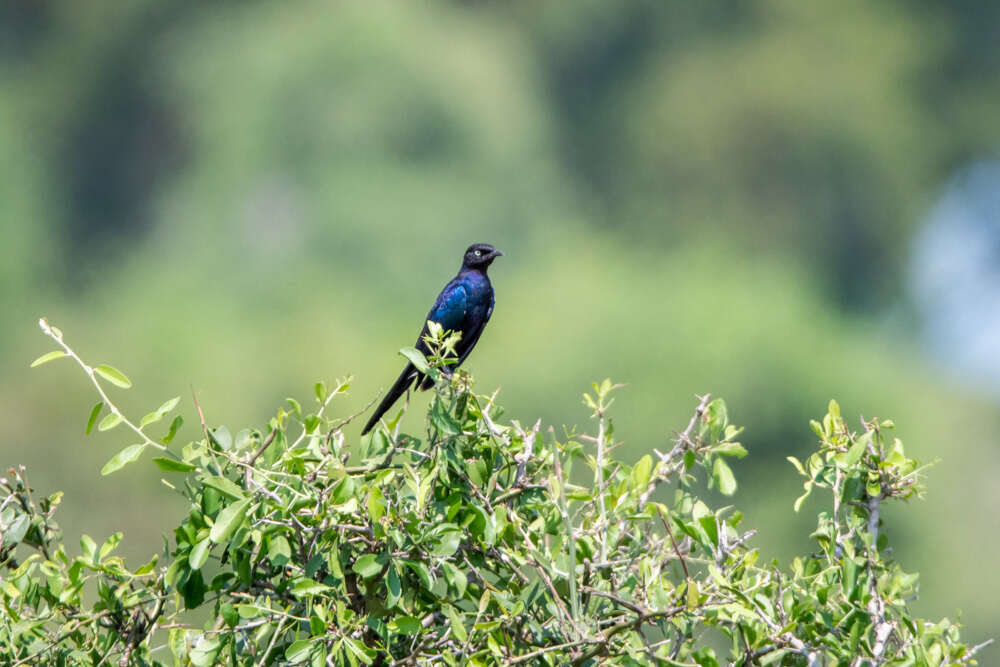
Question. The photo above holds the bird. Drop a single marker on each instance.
(464, 306)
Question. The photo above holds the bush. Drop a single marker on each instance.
(478, 543)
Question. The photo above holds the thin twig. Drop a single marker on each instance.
(89, 370)
(256, 455)
(673, 542)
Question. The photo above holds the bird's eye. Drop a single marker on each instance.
(478, 253)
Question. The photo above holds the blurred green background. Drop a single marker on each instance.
(248, 197)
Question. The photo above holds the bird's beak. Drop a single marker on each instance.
(497, 253)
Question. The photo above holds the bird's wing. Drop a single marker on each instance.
(472, 337)
(448, 310)
(450, 307)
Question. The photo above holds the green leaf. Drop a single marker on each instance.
(421, 571)
(405, 625)
(248, 610)
(242, 439)
(298, 651)
(448, 542)
(89, 547)
(113, 375)
(442, 419)
(798, 465)
(222, 438)
(456, 578)
(641, 472)
(229, 520)
(174, 426)
(128, 455)
(360, 651)
(307, 587)
(801, 499)
(393, 588)
(229, 614)
(484, 601)
(47, 357)
(15, 531)
(172, 465)
(150, 418)
(206, 651)
(224, 486)
(692, 594)
(110, 545)
(724, 477)
(376, 504)
(367, 566)
(199, 554)
(857, 450)
(457, 626)
(717, 416)
(416, 358)
(731, 449)
(279, 551)
(311, 423)
(711, 528)
(343, 491)
(93, 417)
(177, 639)
(148, 567)
(109, 422)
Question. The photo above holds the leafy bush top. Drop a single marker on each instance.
(476, 542)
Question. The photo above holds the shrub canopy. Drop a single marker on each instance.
(478, 541)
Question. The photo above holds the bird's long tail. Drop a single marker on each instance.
(399, 387)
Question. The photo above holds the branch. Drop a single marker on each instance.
(57, 337)
(256, 455)
(683, 440)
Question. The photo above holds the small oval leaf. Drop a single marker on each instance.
(109, 422)
(123, 458)
(228, 521)
(724, 477)
(174, 426)
(308, 587)
(93, 417)
(113, 375)
(199, 554)
(151, 418)
(172, 465)
(416, 358)
(47, 357)
(225, 486)
(367, 566)
(222, 438)
(169, 405)
(405, 625)
(298, 651)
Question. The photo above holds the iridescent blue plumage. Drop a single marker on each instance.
(464, 305)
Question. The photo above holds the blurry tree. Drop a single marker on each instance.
(802, 128)
(814, 131)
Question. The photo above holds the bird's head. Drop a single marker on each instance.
(480, 256)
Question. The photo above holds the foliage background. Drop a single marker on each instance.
(247, 197)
